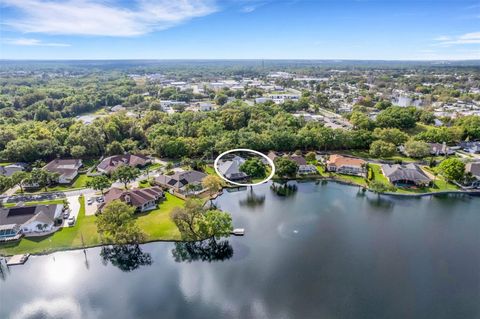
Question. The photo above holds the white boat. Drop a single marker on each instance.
(238, 232)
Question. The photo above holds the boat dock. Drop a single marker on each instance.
(17, 259)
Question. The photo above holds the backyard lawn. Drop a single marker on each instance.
(156, 224)
(81, 181)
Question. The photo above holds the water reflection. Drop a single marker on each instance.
(252, 200)
(125, 257)
(285, 189)
(207, 250)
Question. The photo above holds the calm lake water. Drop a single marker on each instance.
(329, 251)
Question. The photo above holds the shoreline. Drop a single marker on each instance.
(313, 179)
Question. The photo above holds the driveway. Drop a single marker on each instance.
(74, 205)
(92, 208)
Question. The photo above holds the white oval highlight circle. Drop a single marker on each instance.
(270, 162)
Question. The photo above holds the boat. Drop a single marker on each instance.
(238, 232)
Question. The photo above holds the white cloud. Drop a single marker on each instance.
(467, 38)
(34, 42)
(103, 18)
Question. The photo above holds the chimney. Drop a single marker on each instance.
(127, 198)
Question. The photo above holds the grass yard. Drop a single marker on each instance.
(209, 170)
(81, 181)
(350, 179)
(377, 174)
(156, 224)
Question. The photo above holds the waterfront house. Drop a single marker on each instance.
(179, 181)
(67, 169)
(111, 163)
(303, 167)
(346, 165)
(230, 169)
(29, 220)
(143, 199)
(405, 175)
(474, 170)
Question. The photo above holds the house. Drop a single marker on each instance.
(230, 169)
(111, 163)
(405, 175)
(471, 147)
(143, 199)
(179, 181)
(67, 169)
(346, 165)
(440, 149)
(29, 220)
(474, 169)
(303, 166)
(8, 170)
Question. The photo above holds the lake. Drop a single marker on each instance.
(327, 251)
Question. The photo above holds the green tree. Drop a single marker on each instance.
(115, 148)
(99, 183)
(311, 157)
(382, 149)
(126, 174)
(78, 151)
(417, 149)
(379, 187)
(19, 178)
(361, 121)
(213, 183)
(197, 223)
(452, 169)
(390, 135)
(116, 224)
(285, 167)
(253, 167)
(221, 99)
(42, 178)
(398, 117)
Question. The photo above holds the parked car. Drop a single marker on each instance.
(100, 199)
(71, 220)
(66, 214)
(90, 201)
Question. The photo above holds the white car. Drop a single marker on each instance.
(71, 220)
(90, 201)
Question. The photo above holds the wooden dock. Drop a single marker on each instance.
(17, 260)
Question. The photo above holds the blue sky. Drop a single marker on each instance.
(240, 29)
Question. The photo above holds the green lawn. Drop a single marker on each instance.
(350, 179)
(209, 170)
(377, 174)
(156, 224)
(81, 181)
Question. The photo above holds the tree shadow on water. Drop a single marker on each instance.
(252, 199)
(209, 250)
(125, 257)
